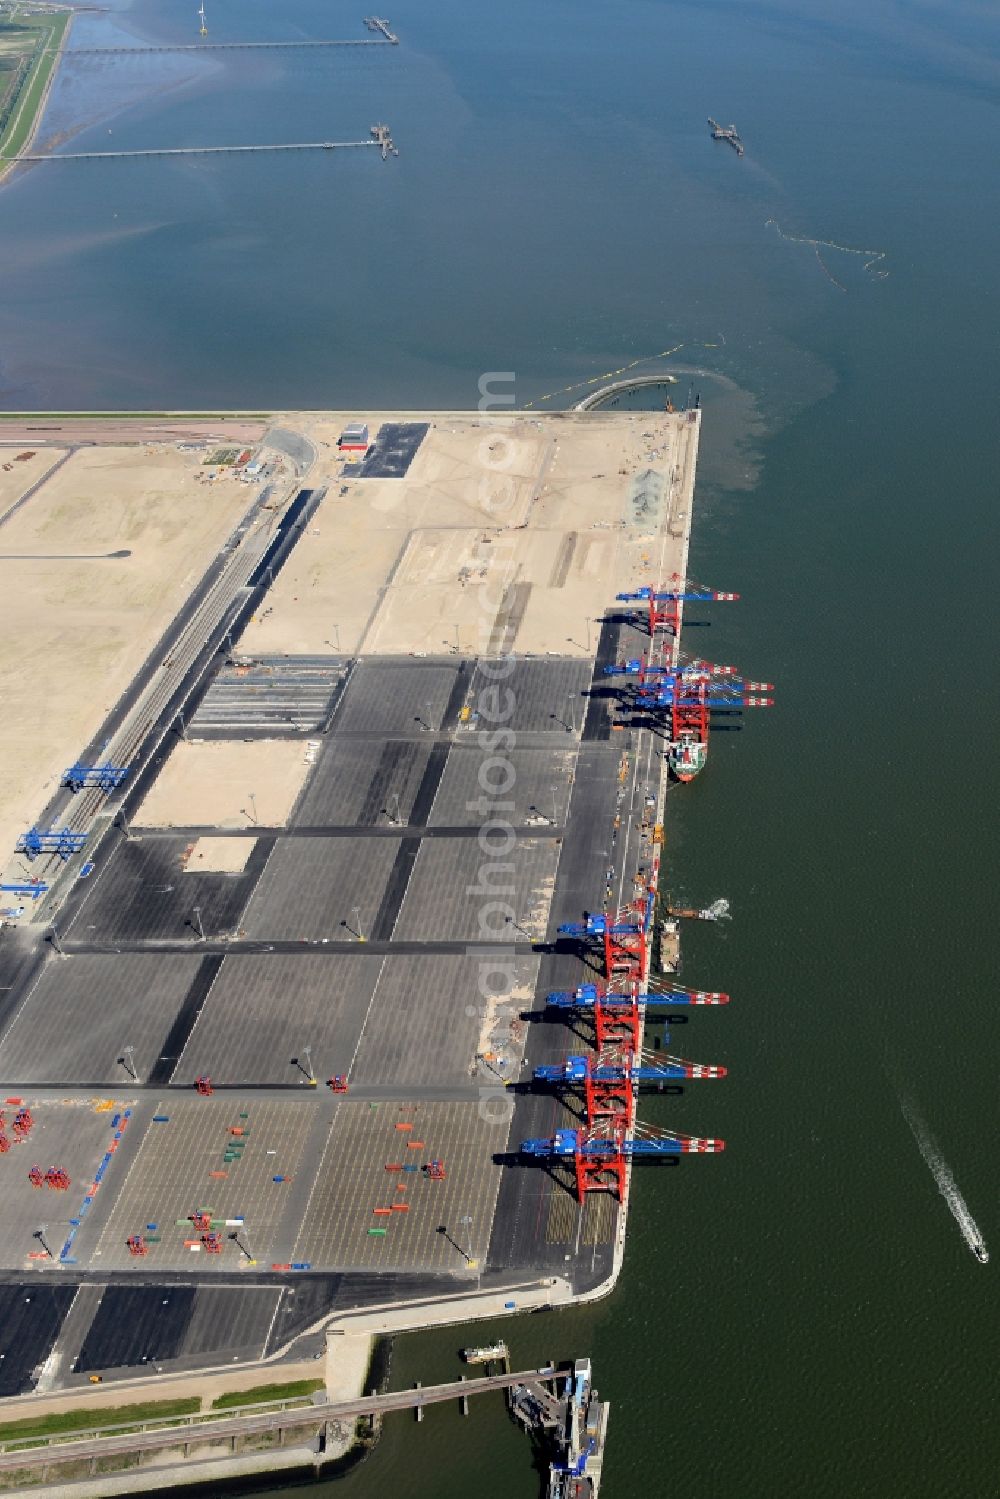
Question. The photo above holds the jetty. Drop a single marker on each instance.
(379, 23)
(386, 40)
(381, 140)
(728, 133)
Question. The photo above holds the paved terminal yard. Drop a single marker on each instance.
(342, 852)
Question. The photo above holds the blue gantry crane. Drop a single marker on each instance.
(646, 671)
(599, 1154)
(35, 888)
(610, 1081)
(590, 996)
(665, 607)
(107, 777)
(61, 841)
(618, 1015)
(733, 693)
(624, 936)
(638, 1067)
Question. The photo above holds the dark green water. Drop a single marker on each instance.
(801, 1316)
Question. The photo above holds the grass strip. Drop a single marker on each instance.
(24, 112)
(262, 1393)
(85, 1418)
(208, 416)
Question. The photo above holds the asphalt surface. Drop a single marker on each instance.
(137, 1325)
(376, 844)
(393, 450)
(30, 1318)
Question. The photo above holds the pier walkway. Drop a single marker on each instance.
(388, 40)
(376, 144)
(175, 1432)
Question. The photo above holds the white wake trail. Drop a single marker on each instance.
(941, 1173)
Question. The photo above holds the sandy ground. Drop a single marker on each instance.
(219, 855)
(16, 477)
(32, 430)
(74, 632)
(226, 784)
(508, 532)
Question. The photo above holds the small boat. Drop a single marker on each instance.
(979, 1250)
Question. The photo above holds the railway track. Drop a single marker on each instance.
(145, 724)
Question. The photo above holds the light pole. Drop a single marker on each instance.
(443, 1231)
(127, 1060)
(253, 808)
(394, 799)
(357, 924)
(196, 922)
(307, 1053)
(570, 698)
(466, 1223)
(555, 808)
(243, 1248)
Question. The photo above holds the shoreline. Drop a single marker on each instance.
(513, 1294)
(49, 58)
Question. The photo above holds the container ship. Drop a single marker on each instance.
(686, 756)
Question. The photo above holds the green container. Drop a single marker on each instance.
(377, 1233)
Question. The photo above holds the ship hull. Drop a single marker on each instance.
(686, 760)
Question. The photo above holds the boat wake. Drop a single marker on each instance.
(946, 1184)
